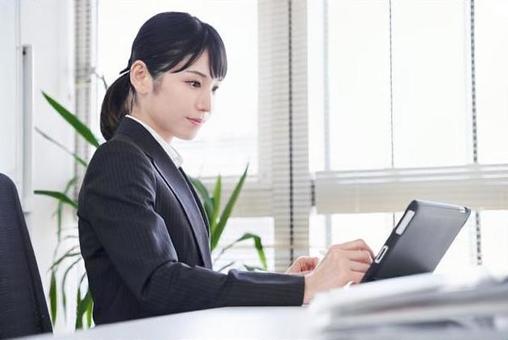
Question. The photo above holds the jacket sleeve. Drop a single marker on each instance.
(117, 199)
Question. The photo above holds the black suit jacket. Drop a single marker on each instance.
(145, 242)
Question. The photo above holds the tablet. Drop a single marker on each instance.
(419, 240)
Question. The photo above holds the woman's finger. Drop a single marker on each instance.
(359, 266)
(355, 245)
(356, 277)
(359, 255)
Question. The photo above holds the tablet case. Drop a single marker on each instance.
(419, 241)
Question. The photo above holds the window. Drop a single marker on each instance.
(412, 104)
(492, 80)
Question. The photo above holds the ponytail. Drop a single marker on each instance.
(115, 106)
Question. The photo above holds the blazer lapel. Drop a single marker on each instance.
(175, 181)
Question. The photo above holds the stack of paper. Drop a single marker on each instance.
(414, 304)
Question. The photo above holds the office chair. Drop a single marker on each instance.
(23, 309)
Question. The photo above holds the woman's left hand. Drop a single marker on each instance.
(303, 265)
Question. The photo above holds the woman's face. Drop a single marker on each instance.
(178, 104)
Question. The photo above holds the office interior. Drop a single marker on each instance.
(342, 112)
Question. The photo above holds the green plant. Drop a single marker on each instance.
(218, 220)
(68, 258)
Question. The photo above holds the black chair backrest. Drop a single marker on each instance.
(23, 309)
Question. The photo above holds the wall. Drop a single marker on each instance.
(48, 26)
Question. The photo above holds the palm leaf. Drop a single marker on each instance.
(81, 303)
(217, 192)
(257, 244)
(67, 254)
(64, 279)
(80, 128)
(89, 313)
(259, 248)
(252, 268)
(226, 266)
(63, 147)
(205, 197)
(59, 210)
(59, 196)
(216, 234)
(82, 308)
(53, 296)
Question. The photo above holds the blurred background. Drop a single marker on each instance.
(345, 110)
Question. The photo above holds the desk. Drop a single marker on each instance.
(218, 323)
(277, 323)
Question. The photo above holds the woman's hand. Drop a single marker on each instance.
(343, 263)
(303, 265)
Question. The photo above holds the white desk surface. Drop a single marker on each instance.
(219, 323)
(278, 323)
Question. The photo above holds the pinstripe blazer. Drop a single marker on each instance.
(144, 238)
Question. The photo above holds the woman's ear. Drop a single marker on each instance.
(140, 77)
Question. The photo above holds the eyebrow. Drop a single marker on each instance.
(198, 73)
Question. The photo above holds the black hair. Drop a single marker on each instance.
(164, 41)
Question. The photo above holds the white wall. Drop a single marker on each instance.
(48, 26)
(10, 59)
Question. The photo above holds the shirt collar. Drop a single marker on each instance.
(171, 151)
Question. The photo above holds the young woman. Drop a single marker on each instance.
(143, 233)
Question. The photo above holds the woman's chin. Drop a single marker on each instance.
(188, 136)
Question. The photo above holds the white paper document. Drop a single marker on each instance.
(470, 300)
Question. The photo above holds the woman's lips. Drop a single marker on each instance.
(195, 121)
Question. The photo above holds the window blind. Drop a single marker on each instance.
(85, 88)
(424, 99)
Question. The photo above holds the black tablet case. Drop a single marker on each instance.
(424, 240)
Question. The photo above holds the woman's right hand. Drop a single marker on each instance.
(343, 263)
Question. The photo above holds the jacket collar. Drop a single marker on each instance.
(174, 178)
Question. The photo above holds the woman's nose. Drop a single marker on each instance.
(205, 102)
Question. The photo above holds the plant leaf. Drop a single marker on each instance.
(63, 147)
(217, 191)
(252, 268)
(216, 234)
(260, 251)
(53, 296)
(102, 78)
(59, 211)
(80, 128)
(226, 266)
(81, 304)
(257, 244)
(64, 279)
(59, 219)
(82, 308)
(89, 312)
(205, 198)
(201, 188)
(57, 195)
(68, 253)
(79, 321)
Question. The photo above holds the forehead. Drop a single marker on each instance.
(201, 64)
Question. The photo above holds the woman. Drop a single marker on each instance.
(143, 232)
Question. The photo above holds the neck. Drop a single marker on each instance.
(138, 114)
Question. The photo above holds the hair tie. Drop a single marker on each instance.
(125, 70)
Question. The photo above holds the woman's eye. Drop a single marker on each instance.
(194, 83)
